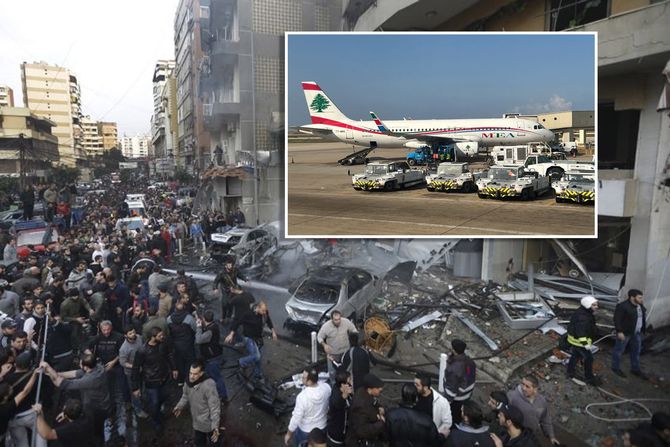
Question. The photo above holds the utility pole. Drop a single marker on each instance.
(22, 162)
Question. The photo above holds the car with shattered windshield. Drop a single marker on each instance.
(349, 289)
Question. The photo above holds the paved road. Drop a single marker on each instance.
(321, 202)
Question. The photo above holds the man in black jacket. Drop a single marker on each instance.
(338, 408)
(151, 368)
(182, 333)
(511, 419)
(105, 346)
(356, 360)
(459, 378)
(581, 332)
(207, 337)
(471, 431)
(406, 427)
(27, 197)
(630, 320)
(367, 421)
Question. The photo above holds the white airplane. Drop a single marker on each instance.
(467, 135)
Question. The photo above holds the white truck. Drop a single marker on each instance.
(544, 165)
(509, 181)
(510, 155)
(387, 176)
(577, 187)
(451, 177)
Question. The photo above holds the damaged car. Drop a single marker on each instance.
(348, 289)
(245, 243)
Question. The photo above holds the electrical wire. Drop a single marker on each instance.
(622, 400)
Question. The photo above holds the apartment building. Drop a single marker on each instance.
(6, 96)
(241, 83)
(52, 92)
(109, 133)
(135, 147)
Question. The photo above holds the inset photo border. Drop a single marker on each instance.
(430, 135)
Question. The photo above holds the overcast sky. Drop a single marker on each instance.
(443, 75)
(111, 46)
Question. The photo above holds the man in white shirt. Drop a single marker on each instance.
(311, 409)
(334, 337)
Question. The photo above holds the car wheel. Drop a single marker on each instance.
(411, 162)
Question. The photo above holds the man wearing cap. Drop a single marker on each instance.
(8, 329)
(311, 408)
(511, 419)
(459, 378)
(366, 416)
(630, 321)
(581, 331)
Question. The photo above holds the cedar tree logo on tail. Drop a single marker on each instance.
(320, 103)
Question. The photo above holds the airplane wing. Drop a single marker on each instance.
(420, 136)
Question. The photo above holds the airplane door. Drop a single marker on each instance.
(349, 134)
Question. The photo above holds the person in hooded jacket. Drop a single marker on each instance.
(182, 332)
(200, 395)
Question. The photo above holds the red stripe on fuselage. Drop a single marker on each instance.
(319, 120)
(307, 86)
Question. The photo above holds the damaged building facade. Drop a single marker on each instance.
(633, 131)
(241, 89)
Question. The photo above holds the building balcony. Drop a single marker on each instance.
(226, 110)
(617, 193)
(228, 40)
(370, 15)
(634, 40)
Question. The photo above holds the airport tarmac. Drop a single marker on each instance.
(322, 202)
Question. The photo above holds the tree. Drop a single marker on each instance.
(62, 174)
(182, 176)
(320, 103)
(108, 162)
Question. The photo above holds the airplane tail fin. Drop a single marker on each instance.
(379, 123)
(321, 108)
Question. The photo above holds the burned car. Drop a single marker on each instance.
(330, 288)
(349, 289)
(245, 243)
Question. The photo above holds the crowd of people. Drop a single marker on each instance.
(95, 336)
(108, 334)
